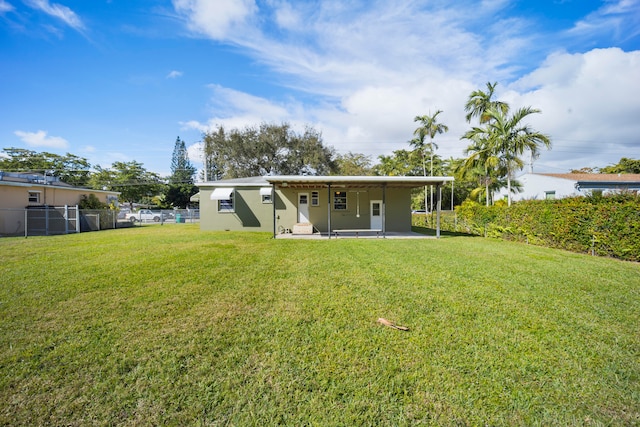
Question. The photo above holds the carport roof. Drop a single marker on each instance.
(300, 181)
(357, 181)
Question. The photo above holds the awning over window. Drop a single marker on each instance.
(221, 193)
(265, 191)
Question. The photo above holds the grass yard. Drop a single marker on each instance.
(168, 325)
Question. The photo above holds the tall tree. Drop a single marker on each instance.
(429, 127)
(180, 188)
(211, 171)
(182, 170)
(131, 179)
(267, 150)
(399, 163)
(480, 102)
(69, 168)
(508, 138)
(482, 158)
(480, 151)
(625, 165)
(352, 164)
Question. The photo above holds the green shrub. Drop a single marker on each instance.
(91, 202)
(607, 226)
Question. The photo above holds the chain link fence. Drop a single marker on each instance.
(47, 221)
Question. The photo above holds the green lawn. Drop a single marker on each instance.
(168, 325)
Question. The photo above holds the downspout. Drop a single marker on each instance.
(384, 210)
(329, 210)
(438, 207)
(273, 200)
(451, 196)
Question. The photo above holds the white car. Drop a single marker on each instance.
(145, 215)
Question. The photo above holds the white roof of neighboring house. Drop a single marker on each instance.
(39, 180)
(600, 180)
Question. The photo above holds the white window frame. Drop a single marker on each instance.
(34, 195)
(338, 204)
(549, 195)
(227, 205)
(315, 198)
(266, 195)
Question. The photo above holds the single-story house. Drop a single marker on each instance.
(20, 191)
(308, 204)
(543, 186)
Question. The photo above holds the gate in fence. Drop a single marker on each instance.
(39, 221)
(51, 220)
(46, 221)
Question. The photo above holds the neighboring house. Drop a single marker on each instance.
(19, 191)
(304, 204)
(542, 186)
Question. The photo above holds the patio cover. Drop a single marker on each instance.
(297, 181)
(338, 181)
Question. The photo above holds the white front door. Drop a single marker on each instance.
(303, 208)
(376, 214)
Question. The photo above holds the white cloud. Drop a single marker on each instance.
(41, 139)
(59, 11)
(620, 18)
(287, 17)
(371, 67)
(215, 19)
(195, 153)
(238, 109)
(590, 104)
(174, 74)
(5, 7)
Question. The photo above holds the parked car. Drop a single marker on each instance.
(122, 214)
(146, 215)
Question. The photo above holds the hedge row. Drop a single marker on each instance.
(606, 226)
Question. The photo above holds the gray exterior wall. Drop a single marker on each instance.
(250, 214)
(397, 215)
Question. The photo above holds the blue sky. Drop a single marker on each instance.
(119, 80)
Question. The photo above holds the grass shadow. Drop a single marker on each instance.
(432, 232)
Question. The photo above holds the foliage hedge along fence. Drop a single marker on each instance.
(605, 226)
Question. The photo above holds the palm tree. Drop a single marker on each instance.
(479, 102)
(481, 152)
(508, 138)
(429, 127)
(482, 155)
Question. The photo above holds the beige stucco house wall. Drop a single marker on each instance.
(27, 191)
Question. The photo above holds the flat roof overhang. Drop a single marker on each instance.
(608, 185)
(296, 181)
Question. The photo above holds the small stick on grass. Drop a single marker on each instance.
(385, 322)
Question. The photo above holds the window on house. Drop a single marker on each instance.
(226, 205)
(34, 197)
(315, 198)
(549, 195)
(340, 200)
(225, 198)
(265, 194)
